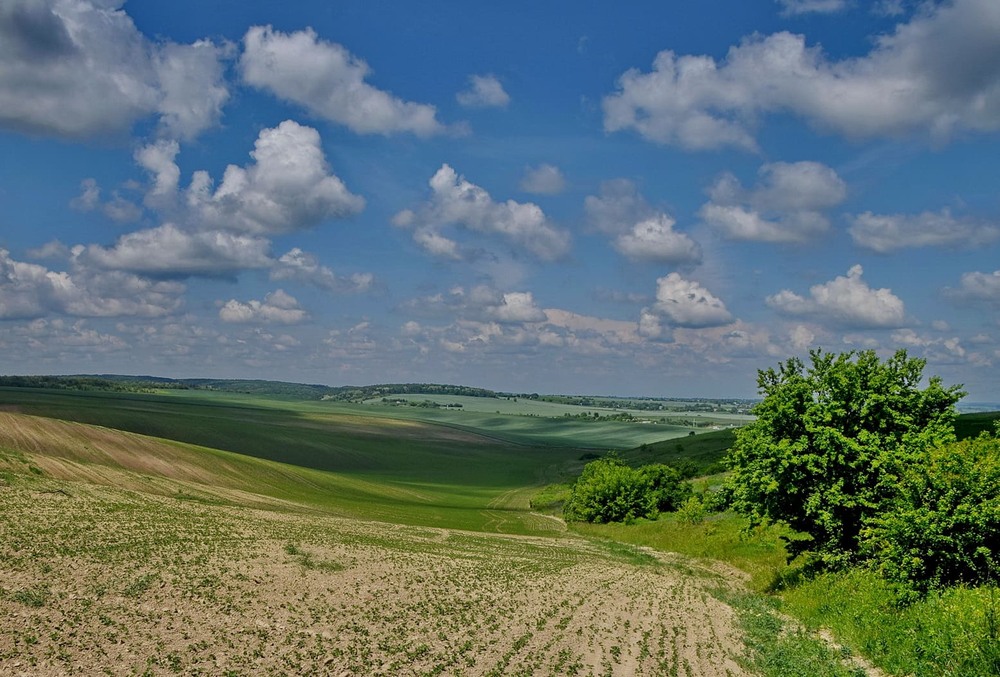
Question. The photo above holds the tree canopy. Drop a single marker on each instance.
(609, 490)
(943, 527)
(831, 442)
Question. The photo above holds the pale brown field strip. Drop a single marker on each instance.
(97, 580)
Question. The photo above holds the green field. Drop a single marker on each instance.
(521, 406)
(399, 539)
(336, 458)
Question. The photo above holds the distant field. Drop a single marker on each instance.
(216, 419)
(346, 463)
(971, 425)
(521, 406)
(539, 422)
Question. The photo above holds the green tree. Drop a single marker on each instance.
(609, 490)
(943, 528)
(830, 443)
(666, 487)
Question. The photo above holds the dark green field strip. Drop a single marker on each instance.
(363, 467)
(705, 452)
(971, 425)
(540, 430)
(319, 435)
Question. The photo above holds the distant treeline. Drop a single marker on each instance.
(149, 384)
(119, 384)
(642, 403)
(361, 393)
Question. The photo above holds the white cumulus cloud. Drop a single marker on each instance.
(304, 267)
(889, 232)
(485, 91)
(980, 286)
(545, 179)
(329, 82)
(288, 187)
(640, 232)
(159, 160)
(76, 68)
(788, 204)
(168, 251)
(656, 240)
(617, 207)
(28, 290)
(936, 75)
(845, 300)
(685, 303)
(118, 208)
(517, 307)
(277, 307)
(481, 303)
(456, 201)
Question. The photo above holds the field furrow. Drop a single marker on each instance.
(99, 580)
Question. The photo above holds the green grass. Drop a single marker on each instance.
(776, 650)
(705, 451)
(955, 632)
(721, 537)
(551, 498)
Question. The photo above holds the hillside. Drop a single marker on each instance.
(306, 391)
(374, 546)
(205, 532)
(399, 471)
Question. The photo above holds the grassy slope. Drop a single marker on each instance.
(704, 451)
(401, 471)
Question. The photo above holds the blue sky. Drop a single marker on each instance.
(638, 198)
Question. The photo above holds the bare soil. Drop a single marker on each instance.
(97, 580)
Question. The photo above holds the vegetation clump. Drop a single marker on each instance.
(609, 490)
(831, 444)
(943, 525)
(856, 456)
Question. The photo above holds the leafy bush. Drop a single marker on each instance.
(944, 526)
(693, 511)
(667, 488)
(609, 490)
(831, 441)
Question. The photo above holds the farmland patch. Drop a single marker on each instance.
(101, 579)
